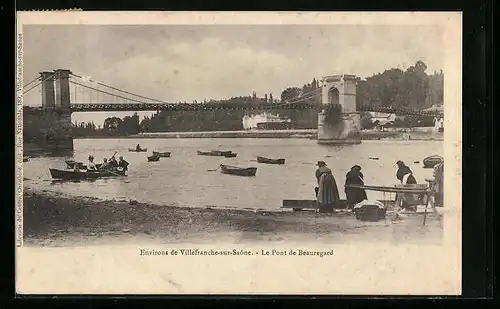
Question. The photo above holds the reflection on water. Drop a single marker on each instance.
(185, 179)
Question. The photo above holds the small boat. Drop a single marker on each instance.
(270, 161)
(239, 171)
(153, 158)
(26, 159)
(432, 161)
(214, 153)
(161, 154)
(231, 155)
(373, 158)
(138, 150)
(79, 175)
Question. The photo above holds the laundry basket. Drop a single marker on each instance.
(370, 211)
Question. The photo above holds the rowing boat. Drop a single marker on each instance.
(432, 161)
(270, 161)
(153, 158)
(162, 154)
(138, 150)
(239, 171)
(231, 155)
(214, 153)
(79, 175)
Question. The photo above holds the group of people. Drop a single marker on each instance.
(327, 192)
(107, 164)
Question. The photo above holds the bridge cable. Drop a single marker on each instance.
(98, 90)
(117, 89)
(31, 82)
(24, 92)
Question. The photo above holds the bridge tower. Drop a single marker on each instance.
(339, 122)
(51, 125)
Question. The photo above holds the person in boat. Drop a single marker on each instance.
(112, 163)
(438, 184)
(138, 147)
(91, 165)
(122, 163)
(327, 191)
(404, 174)
(104, 165)
(354, 195)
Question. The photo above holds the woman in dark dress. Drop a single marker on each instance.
(327, 193)
(404, 174)
(354, 195)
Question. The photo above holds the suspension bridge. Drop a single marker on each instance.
(64, 92)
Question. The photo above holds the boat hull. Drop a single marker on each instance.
(270, 161)
(135, 150)
(78, 175)
(231, 155)
(238, 171)
(162, 154)
(432, 161)
(215, 153)
(153, 159)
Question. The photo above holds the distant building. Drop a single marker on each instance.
(382, 119)
(265, 121)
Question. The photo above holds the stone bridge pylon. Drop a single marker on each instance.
(338, 121)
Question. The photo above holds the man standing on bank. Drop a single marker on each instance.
(354, 195)
(328, 192)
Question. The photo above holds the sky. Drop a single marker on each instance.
(175, 63)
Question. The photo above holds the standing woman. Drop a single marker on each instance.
(439, 182)
(404, 174)
(354, 195)
(328, 193)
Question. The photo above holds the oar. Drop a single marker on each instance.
(214, 169)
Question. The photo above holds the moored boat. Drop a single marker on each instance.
(239, 171)
(432, 161)
(162, 154)
(138, 150)
(153, 158)
(215, 153)
(78, 175)
(270, 161)
(231, 155)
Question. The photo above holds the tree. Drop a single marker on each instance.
(265, 98)
(271, 98)
(290, 93)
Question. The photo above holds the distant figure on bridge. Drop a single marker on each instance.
(123, 164)
(327, 192)
(404, 174)
(138, 147)
(354, 195)
(91, 165)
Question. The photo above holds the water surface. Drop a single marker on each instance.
(184, 178)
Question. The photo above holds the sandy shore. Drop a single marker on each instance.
(53, 219)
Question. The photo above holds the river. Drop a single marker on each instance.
(185, 179)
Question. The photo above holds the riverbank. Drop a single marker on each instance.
(54, 219)
(309, 134)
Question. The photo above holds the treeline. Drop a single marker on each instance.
(412, 88)
(113, 126)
